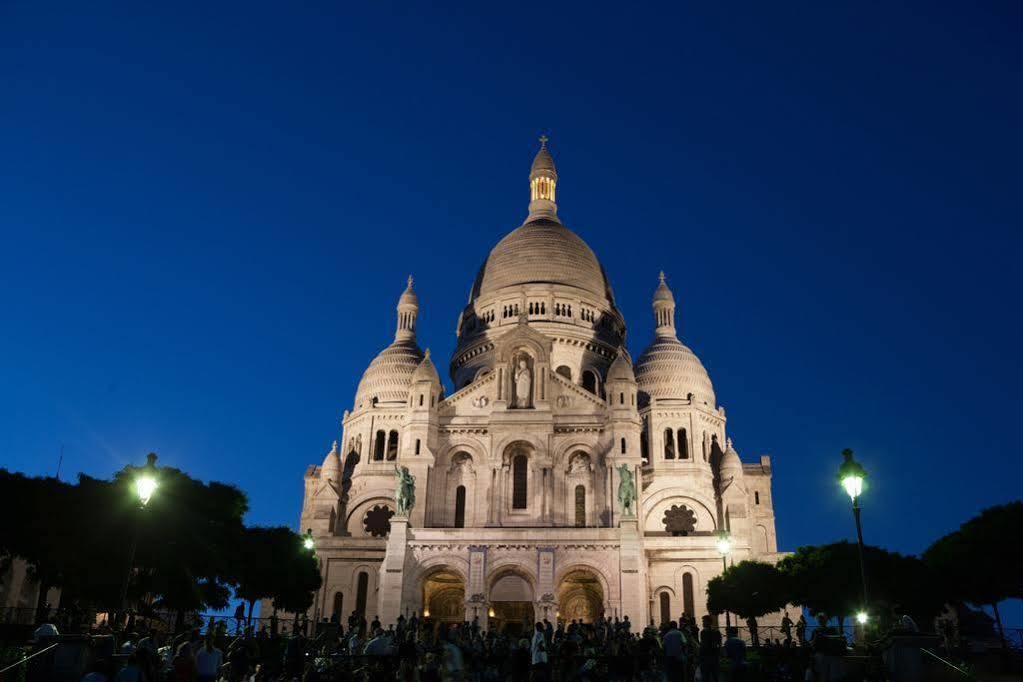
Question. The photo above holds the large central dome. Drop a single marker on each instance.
(543, 252)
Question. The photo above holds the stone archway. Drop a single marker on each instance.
(511, 602)
(444, 596)
(580, 597)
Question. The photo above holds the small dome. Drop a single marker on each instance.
(426, 371)
(331, 469)
(621, 368)
(543, 252)
(730, 468)
(730, 461)
(543, 161)
(408, 297)
(389, 376)
(668, 369)
(663, 293)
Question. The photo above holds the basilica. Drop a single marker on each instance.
(560, 479)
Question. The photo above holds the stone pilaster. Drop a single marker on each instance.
(633, 572)
(476, 602)
(392, 571)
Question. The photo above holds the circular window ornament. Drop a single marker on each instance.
(377, 521)
(679, 520)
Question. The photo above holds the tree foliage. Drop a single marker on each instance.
(749, 589)
(272, 563)
(826, 578)
(982, 562)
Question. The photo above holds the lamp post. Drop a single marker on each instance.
(145, 486)
(851, 475)
(724, 545)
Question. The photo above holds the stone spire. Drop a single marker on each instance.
(664, 310)
(408, 310)
(543, 179)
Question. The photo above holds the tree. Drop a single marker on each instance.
(825, 578)
(982, 562)
(186, 536)
(42, 526)
(750, 589)
(266, 563)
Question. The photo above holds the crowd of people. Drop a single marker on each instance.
(421, 650)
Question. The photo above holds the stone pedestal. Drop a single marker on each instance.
(392, 571)
(633, 569)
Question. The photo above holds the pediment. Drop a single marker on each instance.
(569, 396)
(523, 336)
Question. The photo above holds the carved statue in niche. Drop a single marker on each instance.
(461, 462)
(579, 464)
(523, 382)
(626, 490)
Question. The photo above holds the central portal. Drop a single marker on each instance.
(511, 602)
(580, 597)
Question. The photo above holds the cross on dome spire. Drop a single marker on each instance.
(543, 141)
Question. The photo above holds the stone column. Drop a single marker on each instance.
(491, 497)
(392, 571)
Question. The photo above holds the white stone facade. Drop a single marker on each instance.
(517, 514)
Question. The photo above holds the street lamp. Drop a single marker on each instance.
(851, 475)
(310, 545)
(145, 486)
(724, 545)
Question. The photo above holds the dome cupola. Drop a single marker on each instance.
(543, 181)
(668, 368)
(388, 377)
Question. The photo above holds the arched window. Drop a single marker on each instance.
(360, 593)
(378, 449)
(339, 604)
(623, 446)
(665, 607)
(417, 446)
(705, 447)
(519, 477)
(565, 371)
(644, 447)
(756, 497)
(669, 444)
(621, 398)
(590, 381)
(392, 446)
(460, 507)
(580, 506)
(687, 595)
(683, 444)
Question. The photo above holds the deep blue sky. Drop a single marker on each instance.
(207, 212)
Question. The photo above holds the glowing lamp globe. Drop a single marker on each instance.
(724, 545)
(145, 486)
(862, 617)
(851, 475)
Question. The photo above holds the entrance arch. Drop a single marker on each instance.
(580, 596)
(444, 596)
(511, 601)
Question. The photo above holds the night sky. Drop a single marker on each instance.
(208, 211)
